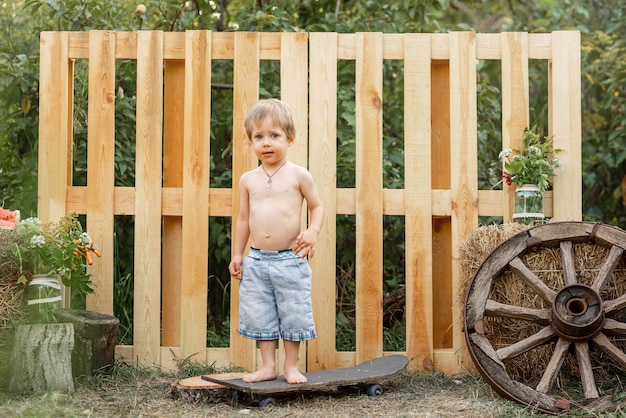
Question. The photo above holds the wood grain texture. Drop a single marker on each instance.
(149, 169)
(101, 164)
(369, 219)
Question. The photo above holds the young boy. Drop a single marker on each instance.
(275, 288)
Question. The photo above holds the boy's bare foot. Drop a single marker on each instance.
(260, 375)
(293, 375)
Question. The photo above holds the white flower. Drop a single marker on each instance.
(29, 227)
(534, 151)
(37, 241)
(505, 153)
(31, 221)
(557, 163)
(85, 240)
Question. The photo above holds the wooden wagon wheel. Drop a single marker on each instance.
(572, 321)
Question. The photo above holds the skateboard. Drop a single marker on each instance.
(368, 375)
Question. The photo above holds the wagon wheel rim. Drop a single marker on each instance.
(575, 317)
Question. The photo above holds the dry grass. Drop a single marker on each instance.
(147, 393)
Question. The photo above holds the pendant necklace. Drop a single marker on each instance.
(269, 178)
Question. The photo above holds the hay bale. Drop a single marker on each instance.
(480, 244)
(12, 295)
(12, 299)
(508, 288)
(9, 264)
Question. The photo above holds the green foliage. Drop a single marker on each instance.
(18, 111)
(56, 248)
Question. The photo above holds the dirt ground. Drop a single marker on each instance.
(407, 395)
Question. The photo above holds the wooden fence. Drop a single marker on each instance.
(171, 199)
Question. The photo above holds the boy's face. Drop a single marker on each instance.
(270, 142)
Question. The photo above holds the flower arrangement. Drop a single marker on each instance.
(533, 163)
(56, 248)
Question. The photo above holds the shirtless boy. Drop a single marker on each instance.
(275, 288)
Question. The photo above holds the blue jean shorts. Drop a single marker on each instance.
(275, 297)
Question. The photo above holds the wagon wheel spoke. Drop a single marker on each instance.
(586, 372)
(542, 337)
(615, 304)
(602, 342)
(497, 309)
(518, 267)
(614, 328)
(554, 366)
(569, 266)
(607, 268)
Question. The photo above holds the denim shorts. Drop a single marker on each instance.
(275, 297)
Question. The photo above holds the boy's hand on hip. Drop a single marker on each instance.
(305, 244)
(235, 268)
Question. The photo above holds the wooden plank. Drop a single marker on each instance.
(55, 130)
(54, 125)
(173, 137)
(565, 123)
(294, 71)
(463, 160)
(194, 265)
(245, 95)
(418, 201)
(149, 148)
(515, 103)
(101, 164)
(440, 180)
(323, 168)
(369, 227)
(487, 46)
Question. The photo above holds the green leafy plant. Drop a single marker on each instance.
(533, 163)
(55, 248)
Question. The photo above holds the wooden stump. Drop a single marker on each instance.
(94, 339)
(42, 358)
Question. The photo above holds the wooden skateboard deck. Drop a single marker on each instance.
(372, 371)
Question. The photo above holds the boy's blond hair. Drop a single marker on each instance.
(278, 111)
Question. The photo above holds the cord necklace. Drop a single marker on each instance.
(269, 178)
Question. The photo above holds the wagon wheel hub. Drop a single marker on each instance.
(577, 313)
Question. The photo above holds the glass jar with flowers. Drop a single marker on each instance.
(50, 254)
(530, 168)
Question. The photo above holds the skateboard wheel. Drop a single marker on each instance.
(266, 402)
(375, 390)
